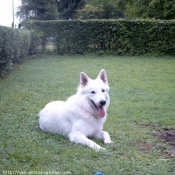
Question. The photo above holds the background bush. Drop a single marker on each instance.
(14, 47)
(121, 37)
(108, 36)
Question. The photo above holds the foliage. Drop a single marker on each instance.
(37, 10)
(142, 93)
(110, 36)
(100, 9)
(67, 8)
(91, 12)
(14, 46)
(158, 9)
(95, 9)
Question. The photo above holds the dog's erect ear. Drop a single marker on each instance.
(83, 79)
(102, 75)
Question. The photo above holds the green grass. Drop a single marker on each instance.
(142, 91)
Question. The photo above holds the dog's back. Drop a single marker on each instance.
(51, 118)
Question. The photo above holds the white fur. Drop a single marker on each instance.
(78, 118)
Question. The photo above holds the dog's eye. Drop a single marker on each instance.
(103, 90)
(92, 92)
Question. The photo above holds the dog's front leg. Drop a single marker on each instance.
(103, 135)
(78, 137)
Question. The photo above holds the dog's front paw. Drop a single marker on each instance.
(98, 148)
(108, 141)
(106, 138)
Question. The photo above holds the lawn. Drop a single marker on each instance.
(141, 116)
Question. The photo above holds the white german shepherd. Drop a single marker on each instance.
(82, 116)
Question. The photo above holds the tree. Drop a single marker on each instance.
(100, 9)
(158, 9)
(37, 10)
(91, 12)
(67, 8)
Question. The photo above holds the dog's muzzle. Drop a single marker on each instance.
(102, 103)
(94, 104)
(100, 108)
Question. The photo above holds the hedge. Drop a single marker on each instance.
(108, 36)
(14, 47)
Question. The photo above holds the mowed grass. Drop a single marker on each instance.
(142, 91)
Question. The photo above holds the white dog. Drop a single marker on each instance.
(82, 116)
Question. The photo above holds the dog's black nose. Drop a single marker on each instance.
(102, 102)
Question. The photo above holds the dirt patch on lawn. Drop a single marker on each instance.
(167, 135)
(165, 148)
(158, 149)
(144, 147)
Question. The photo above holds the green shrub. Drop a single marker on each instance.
(109, 36)
(14, 47)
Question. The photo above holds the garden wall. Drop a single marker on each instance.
(106, 36)
(14, 47)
